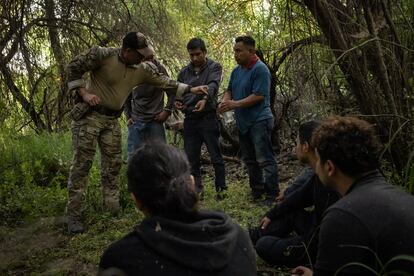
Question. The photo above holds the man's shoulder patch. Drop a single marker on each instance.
(149, 65)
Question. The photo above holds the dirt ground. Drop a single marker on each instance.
(23, 248)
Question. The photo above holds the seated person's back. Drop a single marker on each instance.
(175, 238)
(375, 215)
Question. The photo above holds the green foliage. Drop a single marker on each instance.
(34, 170)
(33, 173)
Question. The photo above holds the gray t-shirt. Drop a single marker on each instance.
(146, 100)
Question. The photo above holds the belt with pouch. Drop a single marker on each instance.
(107, 111)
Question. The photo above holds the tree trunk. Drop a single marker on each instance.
(18, 95)
(59, 57)
(376, 81)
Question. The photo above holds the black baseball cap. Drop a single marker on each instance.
(138, 41)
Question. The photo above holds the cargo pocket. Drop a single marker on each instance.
(84, 136)
(111, 140)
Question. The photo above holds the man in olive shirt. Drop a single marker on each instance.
(113, 73)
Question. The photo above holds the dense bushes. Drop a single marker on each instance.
(33, 176)
(33, 173)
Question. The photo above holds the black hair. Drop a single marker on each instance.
(306, 130)
(196, 43)
(159, 176)
(350, 143)
(247, 40)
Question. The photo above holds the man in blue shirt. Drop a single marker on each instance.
(248, 93)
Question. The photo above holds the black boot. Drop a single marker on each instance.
(75, 226)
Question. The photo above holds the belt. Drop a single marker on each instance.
(107, 111)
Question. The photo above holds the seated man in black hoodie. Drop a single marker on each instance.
(175, 238)
(273, 239)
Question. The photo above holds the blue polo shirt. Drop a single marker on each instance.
(244, 82)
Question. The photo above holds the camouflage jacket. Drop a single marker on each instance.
(113, 80)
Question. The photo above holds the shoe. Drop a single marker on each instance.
(75, 226)
(201, 195)
(268, 202)
(257, 195)
(254, 234)
(112, 207)
(221, 195)
(111, 201)
(200, 191)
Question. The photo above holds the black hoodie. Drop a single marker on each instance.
(209, 244)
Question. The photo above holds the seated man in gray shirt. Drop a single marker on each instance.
(145, 113)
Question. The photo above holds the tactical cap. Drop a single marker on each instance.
(138, 41)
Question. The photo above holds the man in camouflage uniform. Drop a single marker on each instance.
(113, 73)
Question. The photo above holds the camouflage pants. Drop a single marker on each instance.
(88, 132)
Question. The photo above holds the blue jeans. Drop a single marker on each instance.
(140, 132)
(197, 131)
(258, 156)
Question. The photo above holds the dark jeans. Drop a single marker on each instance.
(277, 245)
(196, 132)
(257, 153)
(140, 132)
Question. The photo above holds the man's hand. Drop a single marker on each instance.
(302, 271)
(200, 106)
(265, 222)
(202, 89)
(89, 98)
(162, 116)
(130, 122)
(227, 106)
(179, 105)
(280, 197)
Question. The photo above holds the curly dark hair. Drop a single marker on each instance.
(350, 143)
(159, 176)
